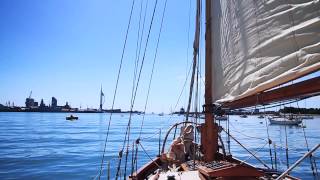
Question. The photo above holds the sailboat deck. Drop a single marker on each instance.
(176, 175)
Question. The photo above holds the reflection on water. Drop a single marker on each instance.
(46, 146)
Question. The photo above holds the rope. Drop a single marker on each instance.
(132, 159)
(182, 90)
(247, 149)
(149, 156)
(127, 134)
(228, 136)
(312, 160)
(153, 65)
(139, 39)
(188, 42)
(254, 153)
(195, 55)
(287, 151)
(269, 140)
(151, 136)
(275, 156)
(116, 88)
(140, 43)
(245, 134)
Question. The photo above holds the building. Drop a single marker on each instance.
(67, 106)
(31, 103)
(54, 102)
(42, 104)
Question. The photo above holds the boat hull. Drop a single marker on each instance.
(71, 118)
(280, 121)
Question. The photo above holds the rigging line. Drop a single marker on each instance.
(139, 43)
(269, 140)
(116, 88)
(141, 38)
(287, 151)
(136, 158)
(137, 48)
(138, 38)
(254, 153)
(236, 130)
(195, 54)
(183, 88)
(247, 149)
(197, 114)
(127, 134)
(228, 140)
(132, 160)
(153, 65)
(136, 89)
(189, 22)
(149, 156)
(126, 160)
(151, 136)
(312, 160)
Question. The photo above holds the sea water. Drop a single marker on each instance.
(47, 146)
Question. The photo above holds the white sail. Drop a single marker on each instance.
(259, 44)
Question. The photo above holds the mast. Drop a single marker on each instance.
(209, 130)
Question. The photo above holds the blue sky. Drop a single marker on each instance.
(68, 48)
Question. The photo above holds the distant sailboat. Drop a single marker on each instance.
(285, 120)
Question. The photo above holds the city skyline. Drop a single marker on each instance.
(68, 50)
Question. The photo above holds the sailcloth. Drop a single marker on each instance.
(259, 44)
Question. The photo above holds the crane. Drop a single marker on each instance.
(30, 94)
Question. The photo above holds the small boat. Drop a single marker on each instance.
(293, 121)
(243, 116)
(71, 117)
(261, 116)
(221, 118)
(161, 114)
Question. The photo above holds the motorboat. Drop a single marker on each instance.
(71, 118)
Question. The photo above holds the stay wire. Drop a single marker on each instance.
(188, 42)
(153, 65)
(139, 42)
(138, 50)
(116, 88)
(195, 55)
(149, 156)
(269, 140)
(312, 160)
(127, 134)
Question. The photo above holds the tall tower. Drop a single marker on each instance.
(54, 102)
(101, 99)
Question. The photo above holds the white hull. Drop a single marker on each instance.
(284, 121)
(221, 118)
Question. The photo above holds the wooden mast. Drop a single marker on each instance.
(209, 130)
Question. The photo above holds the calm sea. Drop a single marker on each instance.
(46, 146)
